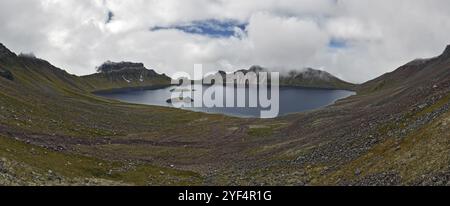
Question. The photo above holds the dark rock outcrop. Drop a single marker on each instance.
(5, 52)
(446, 53)
(6, 74)
(109, 67)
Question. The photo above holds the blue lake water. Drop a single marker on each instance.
(291, 100)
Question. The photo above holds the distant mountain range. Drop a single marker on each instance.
(308, 77)
(54, 131)
(116, 76)
(119, 76)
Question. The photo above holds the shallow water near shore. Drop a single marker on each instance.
(291, 100)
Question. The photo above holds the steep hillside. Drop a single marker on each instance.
(37, 74)
(419, 71)
(46, 116)
(392, 133)
(53, 131)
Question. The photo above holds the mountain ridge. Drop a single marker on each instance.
(54, 131)
(413, 72)
(307, 78)
(123, 76)
(117, 76)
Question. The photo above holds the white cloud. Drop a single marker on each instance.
(284, 34)
(352, 29)
(285, 43)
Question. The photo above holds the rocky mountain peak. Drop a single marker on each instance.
(118, 75)
(257, 69)
(5, 51)
(421, 61)
(446, 52)
(109, 67)
(310, 73)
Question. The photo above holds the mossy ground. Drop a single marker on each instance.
(43, 166)
(108, 142)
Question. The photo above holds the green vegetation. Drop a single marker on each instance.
(260, 131)
(54, 131)
(36, 165)
(420, 153)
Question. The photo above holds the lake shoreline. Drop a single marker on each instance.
(293, 99)
(129, 89)
(156, 87)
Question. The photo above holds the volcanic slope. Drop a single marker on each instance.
(53, 131)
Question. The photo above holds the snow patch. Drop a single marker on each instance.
(128, 81)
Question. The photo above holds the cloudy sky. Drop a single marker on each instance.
(356, 40)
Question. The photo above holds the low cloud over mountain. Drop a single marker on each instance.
(355, 39)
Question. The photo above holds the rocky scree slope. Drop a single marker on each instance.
(394, 132)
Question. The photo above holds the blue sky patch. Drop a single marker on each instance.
(337, 44)
(212, 28)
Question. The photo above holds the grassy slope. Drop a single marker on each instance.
(45, 102)
(425, 151)
(33, 165)
(48, 121)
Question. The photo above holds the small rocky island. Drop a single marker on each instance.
(182, 90)
(180, 100)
